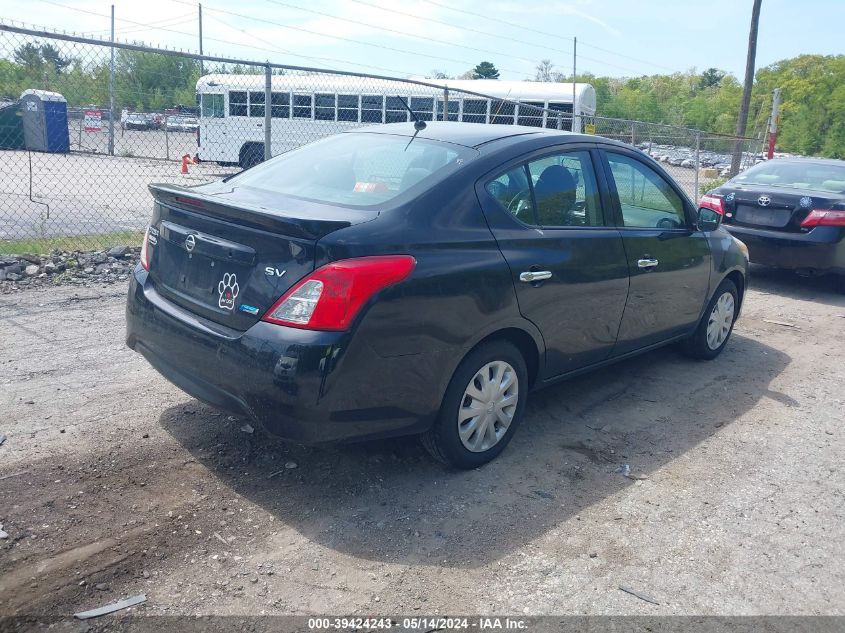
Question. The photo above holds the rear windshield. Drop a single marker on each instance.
(815, 176)
(357, 169)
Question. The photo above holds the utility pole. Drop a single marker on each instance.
(773, 123)
(574, 60)
(742, 122)
(111, 88)
(200, 16)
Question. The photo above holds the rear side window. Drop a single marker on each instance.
(565, 190)
(647, 199)
(557, 191)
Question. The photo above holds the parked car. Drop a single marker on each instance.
(384, 282)
(138, 121)
(790, 212)
(177, 123)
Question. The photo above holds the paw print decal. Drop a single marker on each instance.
(228, 289)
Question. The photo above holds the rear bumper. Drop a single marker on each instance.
(310, 387)
(821, 249)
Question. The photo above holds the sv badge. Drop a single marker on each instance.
(270, 271)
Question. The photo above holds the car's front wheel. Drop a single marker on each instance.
(714, 330)
(483, 405)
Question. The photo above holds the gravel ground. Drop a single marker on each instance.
(114, 483)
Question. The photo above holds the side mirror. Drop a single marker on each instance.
(708, 219)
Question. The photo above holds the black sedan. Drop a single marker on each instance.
(790, 212)
(381, 283)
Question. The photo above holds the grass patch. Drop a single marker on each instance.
(94, 242)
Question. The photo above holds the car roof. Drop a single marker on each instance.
(467, 134)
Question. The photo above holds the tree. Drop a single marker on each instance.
(438, 74)
(29, 56)
(711, 77)
(51, 56)
(485, 70)
(742, 122)
(544, 71)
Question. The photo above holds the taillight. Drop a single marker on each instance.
(712, 201)
(145, 250)
(331, 296)
(824, 217)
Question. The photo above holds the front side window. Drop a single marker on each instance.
(324, 105)
(357, 169)
(646, 198)
(565, 190)
(212, 106)
(280, 105)
(372, 109)
(237, 103)
(347, 107)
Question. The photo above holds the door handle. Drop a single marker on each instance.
(535, 275)
(647, 263)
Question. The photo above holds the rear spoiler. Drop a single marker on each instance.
(274, 220)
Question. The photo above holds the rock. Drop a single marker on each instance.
(101, 268)
(291, 465)
(118, 251)
(98, 258)
(3, 534)
(13, 269)
(32, 259)
(145, 574)
(101, 586)
(88, 271)
(50, 267)
(13, 276)
(31, 270)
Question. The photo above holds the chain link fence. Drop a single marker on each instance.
(85, 126)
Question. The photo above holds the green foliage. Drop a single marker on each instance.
(485, 70)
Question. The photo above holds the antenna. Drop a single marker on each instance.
(419, 124)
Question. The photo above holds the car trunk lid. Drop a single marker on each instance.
(227, 253)
(771, 208)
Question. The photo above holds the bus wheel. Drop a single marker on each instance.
(251, 154)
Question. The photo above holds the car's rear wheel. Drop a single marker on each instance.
(714, 330)
(483, 405)
(251, 154)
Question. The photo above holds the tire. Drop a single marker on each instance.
(707, 342)
(486, 433)
(251, 154)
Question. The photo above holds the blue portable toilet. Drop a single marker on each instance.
(45, 121)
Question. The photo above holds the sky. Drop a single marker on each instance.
(412, 38)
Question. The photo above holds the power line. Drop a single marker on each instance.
(345, 39)
(546, 33)
(397, 31)
(493, 35)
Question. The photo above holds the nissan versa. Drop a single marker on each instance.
(392, 281)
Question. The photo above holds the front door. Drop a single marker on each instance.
(567, 262)
(668, 258)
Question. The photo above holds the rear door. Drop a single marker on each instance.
(568, 266)
(668, 258)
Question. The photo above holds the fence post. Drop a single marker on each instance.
(268, 120)
(633, 135)
(111, 89)
(445, 104)
(697, 163)
(166, 139)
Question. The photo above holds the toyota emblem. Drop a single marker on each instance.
(191, 241)
(764, 201)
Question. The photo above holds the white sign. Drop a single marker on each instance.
(93, 121)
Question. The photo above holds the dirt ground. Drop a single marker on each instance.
(114, 483)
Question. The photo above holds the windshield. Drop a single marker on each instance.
(357, 169)
(799, 175)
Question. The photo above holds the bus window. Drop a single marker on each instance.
(475, 110)
(423, 107)
(347, 108)
(302, 106)
(565, 110)
(454, 108)
(256, 104)
(212, 106)
(502, 112)
(324, 105)
(280, 105)
(237, 103)
(531, 115)
(395, 110)
(371, 108)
